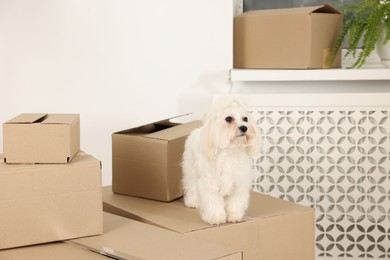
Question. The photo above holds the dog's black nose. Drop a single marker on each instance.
(243, 129)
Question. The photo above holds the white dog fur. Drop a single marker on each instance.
(216, 165)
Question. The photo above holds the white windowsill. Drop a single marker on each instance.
(373, 70)
(310, 75)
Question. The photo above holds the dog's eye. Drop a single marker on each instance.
(245, 119)
(229, 119)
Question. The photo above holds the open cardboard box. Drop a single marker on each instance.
(273, 229)
(146, 160)
(49, 202)
(292, 38)
(41, 138)
(129, 239)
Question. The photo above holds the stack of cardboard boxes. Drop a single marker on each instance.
(50, 190)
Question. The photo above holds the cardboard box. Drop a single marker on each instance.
(146, 161)
(50, 202)
(128, 239)
(41, 138)
(273, 229)
(292, 38)
(57, 251)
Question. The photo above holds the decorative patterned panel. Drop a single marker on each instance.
(333, 158)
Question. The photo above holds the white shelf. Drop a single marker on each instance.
(370, 73)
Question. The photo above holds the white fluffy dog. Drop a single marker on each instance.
(216, 165)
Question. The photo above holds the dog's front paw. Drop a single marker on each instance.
(235, 216)
(191, 204)
(191, 201)
(215, 218)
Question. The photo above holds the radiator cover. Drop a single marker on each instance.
(330, 152)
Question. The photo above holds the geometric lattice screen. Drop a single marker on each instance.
(337, 160)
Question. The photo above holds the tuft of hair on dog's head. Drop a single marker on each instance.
(228, 123)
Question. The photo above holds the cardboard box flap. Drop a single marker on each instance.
(271, 206)
(49, 251)
(178, 131)
(60, 118)
(293, 11)
(328, 9)
(128, 239)
(177, 217)
(27, 118)
(169, 120)
(151, 127)
(165, 215)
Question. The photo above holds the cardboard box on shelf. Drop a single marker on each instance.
(146, 160)
(128, 239)
(292, 38)
(49, 202)
(50, 251)
(41, 138)
(273, 229)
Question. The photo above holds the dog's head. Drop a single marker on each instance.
(228, 123)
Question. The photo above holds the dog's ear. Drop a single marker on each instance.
(254, 140)
(209, 145)
(208, 140)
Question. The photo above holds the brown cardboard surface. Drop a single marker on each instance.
(41, 138)
(292, 38)
(146, 160)
(273, 229)
(51, 251)
(126, 238)
(50, 202)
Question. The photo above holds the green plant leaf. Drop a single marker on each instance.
(363, 23)
(371, 36)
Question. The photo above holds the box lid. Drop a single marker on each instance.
(177, 217)
(126, 238)
(288, 11)
(175, 132)
(30, 118)
(26, 118)
(60, 118)
(164, 130)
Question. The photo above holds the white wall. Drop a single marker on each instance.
(118, 63)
